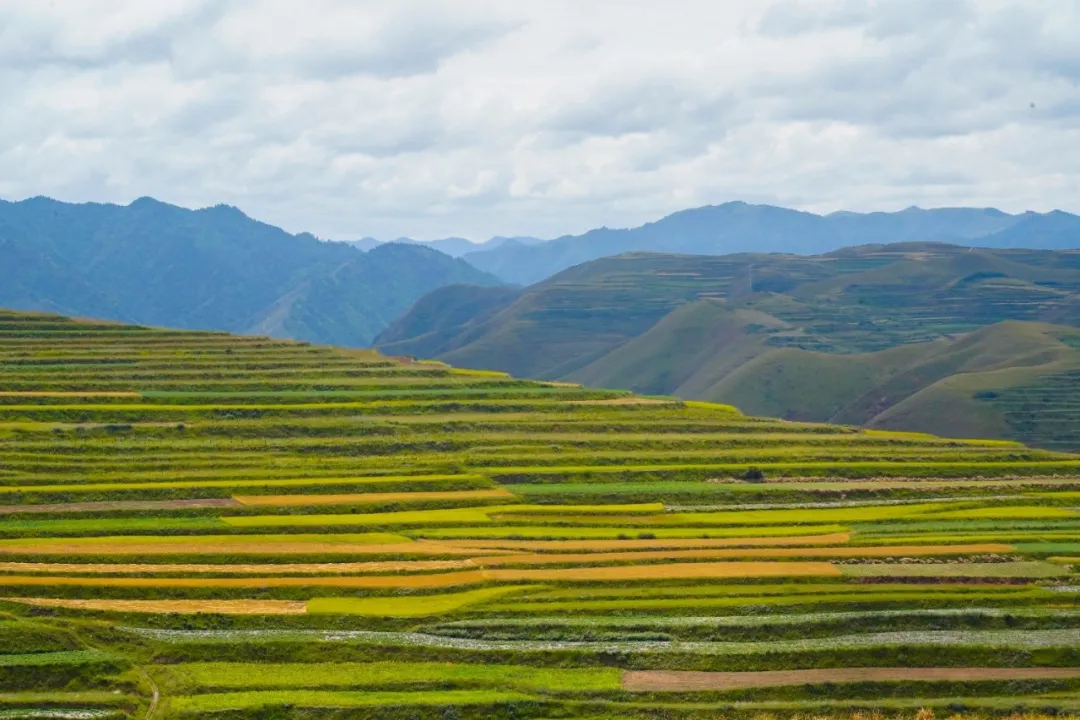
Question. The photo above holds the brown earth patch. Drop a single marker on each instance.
(227, 607)
(107, 506)
(688, 681)
(647, 544)
(369, 498)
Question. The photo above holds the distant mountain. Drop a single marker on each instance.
(452, 246)
(739, 227)
(914, 336)
(157, 264)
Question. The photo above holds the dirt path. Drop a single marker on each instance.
(662, 680)
(155, 694)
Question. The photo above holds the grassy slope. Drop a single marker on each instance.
(806, 385)
(682, 351)
(868, 335)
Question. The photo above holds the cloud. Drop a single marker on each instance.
(478, 117)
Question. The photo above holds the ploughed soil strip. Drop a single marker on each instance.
(106, 506)
(227, 607)
(688, 681)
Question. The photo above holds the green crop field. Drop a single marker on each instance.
(196, 525)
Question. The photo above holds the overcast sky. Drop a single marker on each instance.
(542, 117)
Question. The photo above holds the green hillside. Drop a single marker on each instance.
(200, 525)
(877, 335)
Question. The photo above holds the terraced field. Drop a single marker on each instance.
(200, 525)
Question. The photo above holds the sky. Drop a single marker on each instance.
(473, 118)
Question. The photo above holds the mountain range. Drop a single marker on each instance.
(740, 227)
(930, 337)
(157, 264)
(452, 246)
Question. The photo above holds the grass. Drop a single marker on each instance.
(222, 676)
(265, 699)
(72, 657)
(405, 606)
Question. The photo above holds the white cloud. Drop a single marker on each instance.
(478, 117)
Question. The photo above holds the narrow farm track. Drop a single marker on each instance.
(676, 681)
(272, 529)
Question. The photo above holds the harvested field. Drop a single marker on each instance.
(224, 607)
(676, 681)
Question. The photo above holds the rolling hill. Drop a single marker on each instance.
(203, 526)
(215, 268)
(916, 336)
(741, 227)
